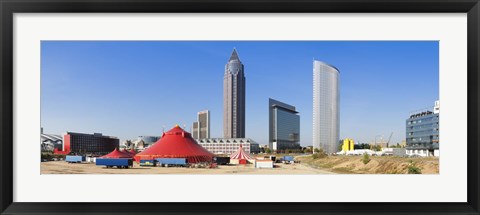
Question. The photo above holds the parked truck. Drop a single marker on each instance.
(148, 162)
(115, 162)
(168, 162)
(74, 159)
(222, 160)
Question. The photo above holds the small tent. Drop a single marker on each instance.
(241, 157)
(117, 154)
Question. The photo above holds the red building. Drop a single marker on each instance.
(79, 143)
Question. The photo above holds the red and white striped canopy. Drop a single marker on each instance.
(240, 154)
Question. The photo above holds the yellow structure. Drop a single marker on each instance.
(348, 145)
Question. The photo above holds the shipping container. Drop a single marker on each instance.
(222, 160)
(166, 162)
(74, 159)
(114, 162)
(148, 162)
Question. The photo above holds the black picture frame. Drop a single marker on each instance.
(9, 7)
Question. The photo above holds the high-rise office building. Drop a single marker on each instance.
(284, 126)
(422, 131)
(234, 98)
(326, 100)
(201, 128)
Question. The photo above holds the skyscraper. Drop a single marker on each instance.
(201, 128)
(234, 98)
(326, 99)
(284, 126)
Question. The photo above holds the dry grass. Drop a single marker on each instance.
(377, 165)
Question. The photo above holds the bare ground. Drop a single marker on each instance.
(377, 165)
(62, 167)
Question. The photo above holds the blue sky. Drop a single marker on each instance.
(132, 88)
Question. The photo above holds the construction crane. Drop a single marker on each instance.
(389, 138)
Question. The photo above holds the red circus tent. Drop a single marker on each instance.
(176, 143)
(241, 156)
(117, 154)
(131, 153)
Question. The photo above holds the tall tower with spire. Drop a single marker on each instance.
(234, 98)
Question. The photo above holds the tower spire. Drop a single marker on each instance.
(234, 55)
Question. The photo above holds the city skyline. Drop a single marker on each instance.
(103, 87)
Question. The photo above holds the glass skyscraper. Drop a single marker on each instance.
(234, 98)
(284, 126)
(326, 107)
(422, 132)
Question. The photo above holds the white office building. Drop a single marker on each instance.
(326, 106)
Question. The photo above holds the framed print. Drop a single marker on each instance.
(239, 107)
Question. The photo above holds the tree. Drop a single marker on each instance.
(268, 151)
(316, 150)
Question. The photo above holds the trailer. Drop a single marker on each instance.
(148, 162)
(222, 160)
(91, 159)
(74, 159)
(264, 164)
(115, 162)
(168, 162)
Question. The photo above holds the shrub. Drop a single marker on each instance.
(413, 168)
(319, 154)
(366, 158)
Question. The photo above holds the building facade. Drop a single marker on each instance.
(96, 143)
(326, 107)
(50, 142)
(422, 133)
(284, 126)
(234, 98)
(201, 128)
(228, 146)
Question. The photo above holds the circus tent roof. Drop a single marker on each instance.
(117, 154)
(241, 154)
(176, 143)
(125, 151)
